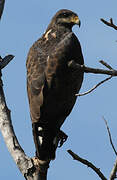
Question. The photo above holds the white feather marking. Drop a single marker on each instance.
(40, 140)
(46, 35)
(40, 137)
(40, 128)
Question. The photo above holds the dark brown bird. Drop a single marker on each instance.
(51, 82)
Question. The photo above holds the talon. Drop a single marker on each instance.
(62, 138)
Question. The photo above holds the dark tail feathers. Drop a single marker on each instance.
(44, 139)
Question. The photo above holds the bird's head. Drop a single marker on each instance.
(66, 18)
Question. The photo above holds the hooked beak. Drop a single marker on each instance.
(76, 20)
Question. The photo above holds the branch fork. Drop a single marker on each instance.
(112, 72)
(110, 23)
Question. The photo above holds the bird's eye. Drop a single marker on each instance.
(65, 15)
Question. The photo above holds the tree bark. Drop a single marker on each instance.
(31, 168)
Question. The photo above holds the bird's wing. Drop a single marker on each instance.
(40, 72)
(36, 64)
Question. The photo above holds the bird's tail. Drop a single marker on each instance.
(45, 141)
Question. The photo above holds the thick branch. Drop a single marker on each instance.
(111, 24)
(99, 71)
(89, 164)
(4, 61)
(30, 169)
(86, 69)
(9, 136)
(1, 7)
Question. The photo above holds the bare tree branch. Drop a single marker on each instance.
(113, 172)
(87, 163)
(98, 71)
(2, 2)
(105, 64)
(32, 169)
(10, 138)
(86, 69)
(4, 61)
(111, 24)
(110, 138)
(92, 89)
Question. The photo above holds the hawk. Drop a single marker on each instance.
(52, 83)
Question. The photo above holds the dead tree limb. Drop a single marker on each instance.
(94, 87)
(77, 67)
(113, 172)
(4, 61)
(110, 138)
(114, 169)
(31, 168)
(2, 2)
(110, 23)
(106, 64)
(87, 163)
(98, 71)
(87, 69)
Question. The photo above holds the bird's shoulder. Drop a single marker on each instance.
(36, 64)
(37, 60)
(41, 49)
(43, 53)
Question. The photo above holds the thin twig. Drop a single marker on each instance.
(92, 89)
(89, 164)
(2, 2)
(111, 24)
(106, 64)
(110, 138)
(113, 172)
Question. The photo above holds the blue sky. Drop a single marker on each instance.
(23, 22)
